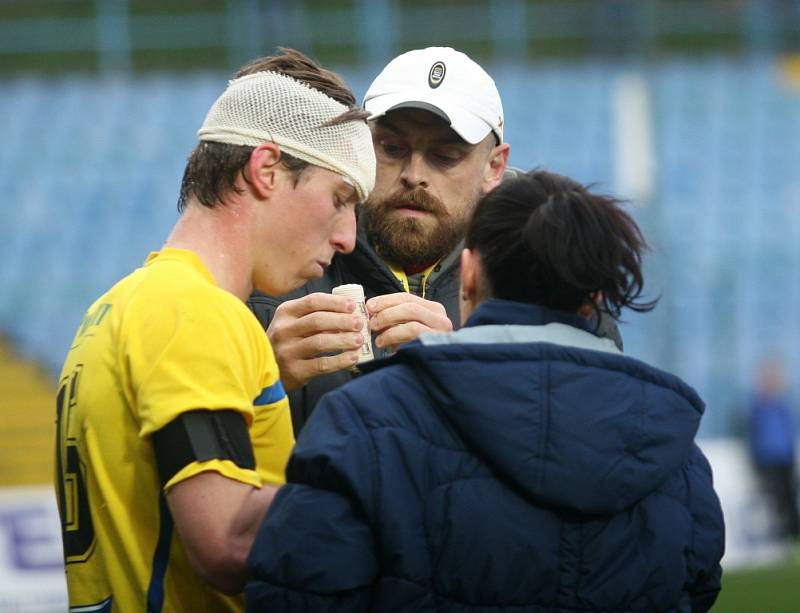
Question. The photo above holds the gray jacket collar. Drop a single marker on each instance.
(555, 333)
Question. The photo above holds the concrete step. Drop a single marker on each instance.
(27, 420)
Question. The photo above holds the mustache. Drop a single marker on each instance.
(415, 199)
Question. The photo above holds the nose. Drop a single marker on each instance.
(344, 234)
(414, 171)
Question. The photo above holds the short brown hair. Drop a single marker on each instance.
(212, 168)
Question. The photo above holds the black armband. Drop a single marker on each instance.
(198, 436)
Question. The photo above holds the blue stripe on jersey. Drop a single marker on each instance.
(155, 591)
(100, 607)
(270, 394)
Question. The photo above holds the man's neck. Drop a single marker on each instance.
(418, 268)
(218, 240)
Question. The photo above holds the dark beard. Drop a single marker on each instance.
(409, 242)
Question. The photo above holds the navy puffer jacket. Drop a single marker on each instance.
(527, 466)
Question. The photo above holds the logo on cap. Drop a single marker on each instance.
(436, 75)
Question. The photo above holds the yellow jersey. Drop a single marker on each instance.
(164, 340)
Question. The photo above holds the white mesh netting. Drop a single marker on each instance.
(268, 106)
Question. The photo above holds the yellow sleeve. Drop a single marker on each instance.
(203, 349)
(271, 431)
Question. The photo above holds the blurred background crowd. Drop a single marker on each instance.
(688, 108)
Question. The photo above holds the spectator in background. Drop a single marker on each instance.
(771, 436)
(521, 463)
(173, 427)
(437, 126)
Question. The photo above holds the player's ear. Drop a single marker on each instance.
(495, 166)
(261, 170)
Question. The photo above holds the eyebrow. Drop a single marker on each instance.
(348, 191)
(452, 137)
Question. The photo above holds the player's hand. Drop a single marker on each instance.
(302, 331)
(402, 317)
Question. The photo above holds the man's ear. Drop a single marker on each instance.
(496, 166)
(260, 172)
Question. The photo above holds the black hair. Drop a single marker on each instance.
(546, 239)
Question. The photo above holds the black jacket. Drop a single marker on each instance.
(365, 267)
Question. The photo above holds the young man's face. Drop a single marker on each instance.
(427, 184)
(313, 218)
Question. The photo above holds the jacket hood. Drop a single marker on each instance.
(555, 411)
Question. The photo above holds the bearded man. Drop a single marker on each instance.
(437, 127)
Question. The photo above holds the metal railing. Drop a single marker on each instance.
(124, 35)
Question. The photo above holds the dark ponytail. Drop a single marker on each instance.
(545, 239)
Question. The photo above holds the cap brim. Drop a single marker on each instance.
(469, 127)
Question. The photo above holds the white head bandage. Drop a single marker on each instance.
(272, 107)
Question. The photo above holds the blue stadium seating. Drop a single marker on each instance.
(90, 170)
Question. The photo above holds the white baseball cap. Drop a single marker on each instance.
(443, 81)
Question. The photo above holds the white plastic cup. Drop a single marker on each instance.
(356, 293)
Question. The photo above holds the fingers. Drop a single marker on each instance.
(381, 303)
(300, 334)
(397, 309)
(313, 314)
(283, 326)
(299, 372)
(313, 303)
(333, 363)
(300, 360)
(399, 334)
(324, 343)
(320, 333)
(403, 317)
